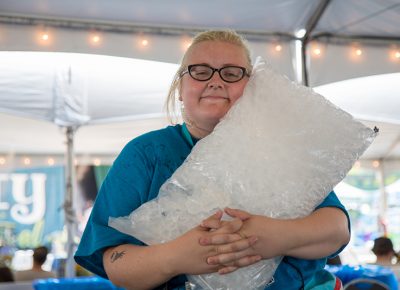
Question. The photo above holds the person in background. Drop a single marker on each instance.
(6, 274)
(39, 257)
(213, 75)
(386, 255)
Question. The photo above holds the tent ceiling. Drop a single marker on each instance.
(342, 17)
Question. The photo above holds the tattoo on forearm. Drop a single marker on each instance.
(116, 255)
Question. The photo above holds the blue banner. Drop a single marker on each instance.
(31, 203)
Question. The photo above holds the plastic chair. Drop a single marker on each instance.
(366, 284)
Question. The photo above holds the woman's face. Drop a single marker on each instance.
(206, 102)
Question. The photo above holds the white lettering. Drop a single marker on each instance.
(20, 211)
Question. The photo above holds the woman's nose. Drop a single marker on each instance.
(215, 81)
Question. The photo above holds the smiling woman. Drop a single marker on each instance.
(205, 95)
(215, 246)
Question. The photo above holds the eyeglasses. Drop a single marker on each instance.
(203, 72)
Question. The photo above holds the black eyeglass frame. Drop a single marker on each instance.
(245, 73)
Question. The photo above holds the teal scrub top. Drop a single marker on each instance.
(135, 177)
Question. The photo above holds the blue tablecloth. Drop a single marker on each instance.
(348, 273)
(81, 283)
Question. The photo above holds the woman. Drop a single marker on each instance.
(213, 74)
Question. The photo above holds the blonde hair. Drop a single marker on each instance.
(229, 36)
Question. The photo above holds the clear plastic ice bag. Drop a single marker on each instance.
(278, 152)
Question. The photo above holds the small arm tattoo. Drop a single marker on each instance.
(116, 255)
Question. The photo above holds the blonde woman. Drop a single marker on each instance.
(213, 74)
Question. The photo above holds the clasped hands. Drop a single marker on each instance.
(232, 247)
(216, 245)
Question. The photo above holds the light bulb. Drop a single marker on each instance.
(50, 161)
(375, 163)
(95, 38)
(144, 42)
(278, 47)
(97, 161)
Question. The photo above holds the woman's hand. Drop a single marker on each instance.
(315, 236)
(191, 252)
(232, 249)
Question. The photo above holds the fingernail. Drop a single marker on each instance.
(210, 261)
(222, 271)
(203, 241)
(253, 240)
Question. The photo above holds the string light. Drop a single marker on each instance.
(144, 42)
(26, 161)
(394, 54)
(97, 162)
(95, 39)
(356, 53)
(50, 161)
(278, 47)
(357, 165)
(375, 163)
(316, 50)
(44, 37)
(2, 161)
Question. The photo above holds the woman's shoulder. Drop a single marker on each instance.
(154, 144)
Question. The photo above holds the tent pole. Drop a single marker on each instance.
(299, 62)
(383, 196)
(300, 44)
(69, 210)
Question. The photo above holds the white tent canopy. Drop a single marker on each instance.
(75, 89)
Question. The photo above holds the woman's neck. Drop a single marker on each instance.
(197, 131)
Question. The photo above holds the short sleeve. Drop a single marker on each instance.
(333, 201)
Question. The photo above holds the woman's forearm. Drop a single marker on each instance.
(138, 267)
(318, 235)
(145, 267)
(324, 232)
